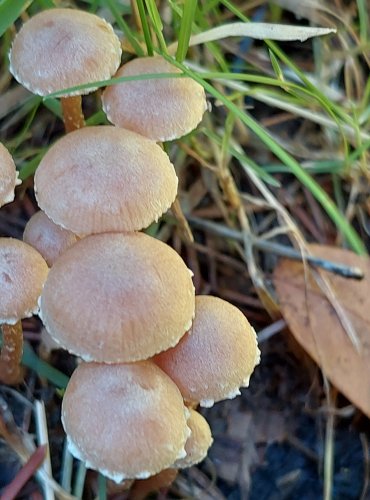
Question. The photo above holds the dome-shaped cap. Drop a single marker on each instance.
(198, 442)
(118, 298)
(127, 421)
(161, 109)
(61, 48)
(48, 238)
(8, 176)
(22, 274)
(217, 356)
(100, 179)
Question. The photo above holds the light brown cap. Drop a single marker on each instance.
(61, 48)
(127, 421)
(48, 238)
(100, 179)
(216, 357)
(198, 442)
(118, 298)
(8, 176)
(22, 274)
(161, 109)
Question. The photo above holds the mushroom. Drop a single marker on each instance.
(216, 357)
(22, 274)
(198, 442)
(162, 109)
(125, 420)
(104, 178)
(47, 238)
(8, 176)
(61, 48)
(118, 298)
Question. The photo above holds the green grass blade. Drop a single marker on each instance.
(156, 23)
(121, 23)
(43, 369)
(190, 6)
(10, 10)
(343, 225)
(145, 26)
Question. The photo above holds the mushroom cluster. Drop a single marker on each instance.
(119, 299)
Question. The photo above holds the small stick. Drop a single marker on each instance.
(43, 440)
(11, 354)
(184, 225)
(277, 249)
(72, 113)
(26, 472)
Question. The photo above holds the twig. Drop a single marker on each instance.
(43, 439)
(277, 249)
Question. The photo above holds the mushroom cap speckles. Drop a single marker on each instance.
(161, 109)
(216, 357)
(127, 420)
(100, 179)
(48, 238)
(8, 176)
(61, 48)
(118, 298)
(22, 274)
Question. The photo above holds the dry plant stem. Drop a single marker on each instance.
(185, 228)
(11, 354)
(72, 113)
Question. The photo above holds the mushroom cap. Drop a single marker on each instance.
(61, 48)
(118, 298)
(23, 272)
(216, 357)
(48, 238)
(8, 176)
(101, 179)
(161, 109)
(198, 442)
(127, 421)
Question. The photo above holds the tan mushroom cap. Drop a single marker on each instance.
(8, 176)
(198, 443)
(217, 356)
(161, 109)
(48, 238)
(118, 298)
(61, 48)
(100, 179)
(22, 274)
(127, 421)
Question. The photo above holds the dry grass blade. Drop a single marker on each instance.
(315, 324)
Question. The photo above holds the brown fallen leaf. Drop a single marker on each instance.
(316, 325)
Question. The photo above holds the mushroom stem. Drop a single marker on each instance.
(183, 223)
(72, 113)
(11, 354)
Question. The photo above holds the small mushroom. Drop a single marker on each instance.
(216, 357)
(198, 442)
(8, 176)
(104, 178)
(126, 420)
(162, 109)
(49, 239)
(22, 274)
(118, 298)
(61, 48)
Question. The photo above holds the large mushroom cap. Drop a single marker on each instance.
(217, 356)
(128, 421)
(48, 238)
(161, 109)
(22, 274)
(118, 298)
(100, 179)
(8, 176)
(62, 48)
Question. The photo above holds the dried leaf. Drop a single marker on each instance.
(317, 327)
